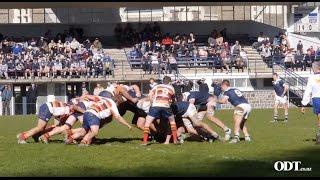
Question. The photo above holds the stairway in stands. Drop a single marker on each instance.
(255, 62)
(123, 71)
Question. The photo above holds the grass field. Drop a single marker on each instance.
(119, 153)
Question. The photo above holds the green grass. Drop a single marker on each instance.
(121, 155)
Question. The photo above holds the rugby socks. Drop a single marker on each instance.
(286, 117)
(146, 132)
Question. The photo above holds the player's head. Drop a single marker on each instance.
(105, 94)
(316, 67)
(151, 80)
(166, 80)
(275, 76)
(225, 84)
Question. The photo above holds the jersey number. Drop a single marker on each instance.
(238, 93)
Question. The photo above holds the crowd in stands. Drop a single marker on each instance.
(279, 51)
(63, 56)
(167, 53)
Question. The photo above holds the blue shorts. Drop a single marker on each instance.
(90, 119)
(105, 94)
(44, 113)
(316, 105)
(77, 114)
(160, 112)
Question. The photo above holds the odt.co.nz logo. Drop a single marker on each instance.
(290, 166)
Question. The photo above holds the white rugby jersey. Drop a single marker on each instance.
(312, 90)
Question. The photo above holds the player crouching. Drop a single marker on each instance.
(92, 118)
(82, 103)
(53, 108)
(241, 110)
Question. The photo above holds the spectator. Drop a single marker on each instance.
(212, 41)
(172, 63)
(289, 59)
(167, 42)
(97, 89)
(97, 44)
(6, 99)
(3, 69)
(74, 45)
(32, 95)
(236, 48)
(299, 48)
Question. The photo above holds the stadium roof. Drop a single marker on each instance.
(13, 5)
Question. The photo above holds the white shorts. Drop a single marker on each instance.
(243, 110)
(281, 100)
(190, 114)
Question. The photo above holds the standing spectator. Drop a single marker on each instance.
(223, 33)
(32, 95)
(118, 32)
(97, 89)
(173, 63)
(3, 69)
(299, 48)
(6, 99)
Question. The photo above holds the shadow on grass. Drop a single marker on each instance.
(110, 140)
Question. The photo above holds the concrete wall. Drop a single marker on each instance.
(202, 28)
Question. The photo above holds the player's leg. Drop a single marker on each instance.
(218, 122)
(94, 130)
(318, 133)
(168, 114)
(22, 137)
(275, 111)
(237, 118)
(285, 106)
(44, 116)
(146, 129)
(59, 129)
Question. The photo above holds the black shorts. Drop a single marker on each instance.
(179, 121)
(139, 113)
(105, 121)
(127, 106)
(201, 107)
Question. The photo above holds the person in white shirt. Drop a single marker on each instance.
(312, 93)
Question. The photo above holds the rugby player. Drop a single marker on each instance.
(312, 93)
(280, 93)
(83, 103)
(54, 108)
(161, 96)
(206, 105)
(241, 111)
(92, 118)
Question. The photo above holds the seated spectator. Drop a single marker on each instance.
(289, 59)
(212, 41)
(172, 63)
(225, 59)
(266, 52)
(149, 46)
(167, 42)
(244, 56)
(97, 44)
(74, 45)
(236, 48)
(154, 62)
(276, 41)
(317, 54)
(239, 63)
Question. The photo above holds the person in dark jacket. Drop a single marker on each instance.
(32, 95)
(203, 86)
(6, 95)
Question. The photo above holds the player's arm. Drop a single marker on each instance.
(136, 89)
(116, 115)
(127, 95)
(77, 108)
(151, 94)
(223, 100)
(192, 101)
(286, 88)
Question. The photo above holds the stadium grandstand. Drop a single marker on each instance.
(65, 48)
